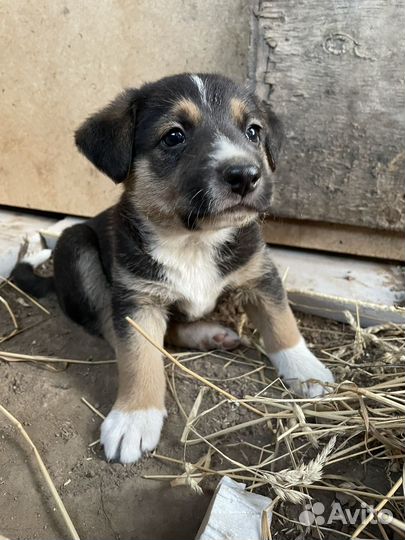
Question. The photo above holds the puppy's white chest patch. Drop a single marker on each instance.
(190, 270)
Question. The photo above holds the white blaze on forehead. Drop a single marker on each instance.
(225, 150)
(201, 87)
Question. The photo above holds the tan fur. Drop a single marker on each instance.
(140, 365)
(250, 272)
(235, 219)
(274, 319)
(149, 196)
(174, 335)
(275, 322)
(186, 107)
(238, 110)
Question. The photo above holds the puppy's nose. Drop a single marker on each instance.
(242, 178)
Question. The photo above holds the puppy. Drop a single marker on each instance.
(196, 156)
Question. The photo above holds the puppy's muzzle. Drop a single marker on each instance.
(243, 179)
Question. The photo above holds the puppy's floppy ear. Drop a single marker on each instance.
(274, 137)
(107, 137)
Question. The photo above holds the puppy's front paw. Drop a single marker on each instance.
(126, 435)
(300, 369)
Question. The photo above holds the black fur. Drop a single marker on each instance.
(123, 304)
(237, 252)
(107, 138)
(78, 302)
(183, 188)
(271, 283)
(184, 231)
(131, 243)
(25, 278)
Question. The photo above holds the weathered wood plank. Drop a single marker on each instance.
(335, 72)
(329, 285)
(389, 245)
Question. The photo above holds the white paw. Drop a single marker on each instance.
(125, 436)
(299, 368)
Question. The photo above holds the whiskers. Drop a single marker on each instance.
(196, 214)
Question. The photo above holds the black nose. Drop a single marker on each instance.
(242, 178)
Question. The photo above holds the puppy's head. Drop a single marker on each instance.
(197, 147)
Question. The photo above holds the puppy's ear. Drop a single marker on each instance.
(107, 137)
(274, 137)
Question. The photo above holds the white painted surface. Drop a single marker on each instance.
(327, 285)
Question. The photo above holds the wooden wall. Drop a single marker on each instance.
(62, 59)
(334, 70)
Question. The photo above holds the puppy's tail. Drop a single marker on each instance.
(25, 278)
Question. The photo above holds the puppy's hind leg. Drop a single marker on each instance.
(80, 282)
(202, 335)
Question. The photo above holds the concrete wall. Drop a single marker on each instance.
(62, 60)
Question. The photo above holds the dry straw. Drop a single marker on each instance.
(23, 293)
(58, 501)
(363, 418)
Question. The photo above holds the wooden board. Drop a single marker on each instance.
(63, 59)
(329, 285)
(389, 245)
(334, 69)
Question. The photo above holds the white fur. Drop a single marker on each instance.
(298, 365)
(189, 267)
(224, 150)
(125, 436)
(201, 87)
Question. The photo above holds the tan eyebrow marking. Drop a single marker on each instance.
(238, 110)
(167, 126)
(189, 109)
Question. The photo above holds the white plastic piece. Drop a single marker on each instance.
(52, 233)
(234, 514)
(17, 229)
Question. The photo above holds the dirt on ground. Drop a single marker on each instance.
(105, 500)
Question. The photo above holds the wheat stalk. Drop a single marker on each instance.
(284, 481)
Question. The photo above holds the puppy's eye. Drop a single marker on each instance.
(253, 134)
(174, 137)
